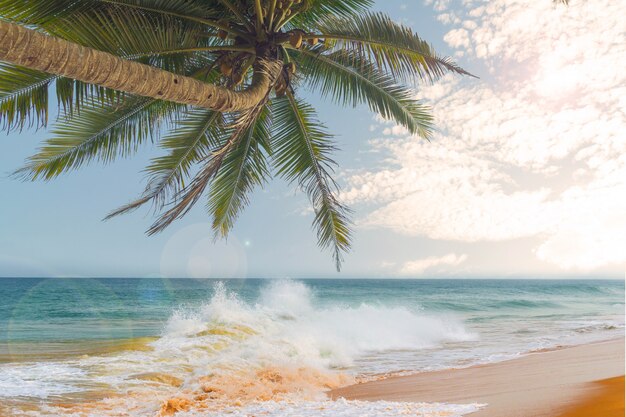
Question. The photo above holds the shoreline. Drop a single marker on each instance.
(538, 384)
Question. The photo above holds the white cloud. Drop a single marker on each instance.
(591, 229)
(387, 264)
(539, 152)
(420, 266)
(395, 130)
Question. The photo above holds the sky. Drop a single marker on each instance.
(524, 177)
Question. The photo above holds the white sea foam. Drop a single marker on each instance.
(39, 380)
(344, 408)
(339, 408)
(284, 327)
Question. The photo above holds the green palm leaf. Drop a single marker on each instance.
(320, 9)
(243, 168)
(350, 79)
(185, 199)
(190, 8)
(99, 133)
(390, 46)
(205, 13)
(44, 12)
(134, 35)
(301, 148)
(41, 12)
(23, 97)
(191, 140)
(72, 95)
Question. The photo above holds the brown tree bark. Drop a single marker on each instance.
(29, 48)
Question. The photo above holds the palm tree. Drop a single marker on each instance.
(222, 76)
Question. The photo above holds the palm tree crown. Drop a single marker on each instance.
(335, 47)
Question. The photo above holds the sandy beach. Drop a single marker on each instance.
(586, 380)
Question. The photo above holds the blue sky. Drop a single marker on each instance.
(525, 177)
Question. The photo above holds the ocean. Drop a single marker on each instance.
(150, 347)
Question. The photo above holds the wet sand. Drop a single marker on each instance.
(546, 384)
(604, 399)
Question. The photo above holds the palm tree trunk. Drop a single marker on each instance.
(34, 50)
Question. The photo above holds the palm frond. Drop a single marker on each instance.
(206, 13)
(238, 12)
(73, 94)
(38, 12)
(301, 148)
(132, 34)
(390, 46)
(98, 133)
(192, 139)
(321, 9)
(23, 97)
(243, 168)
(350, 79)
(44, 12)
(174, 8)
(187, 197)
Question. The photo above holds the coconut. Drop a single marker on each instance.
(222, 34)
(295, 39)
(226, 68)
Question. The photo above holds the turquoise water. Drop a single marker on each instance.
(77, 309)
(63, 339)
